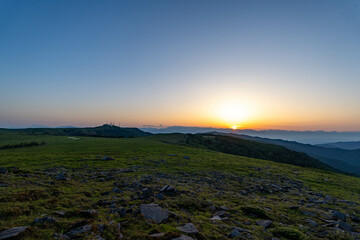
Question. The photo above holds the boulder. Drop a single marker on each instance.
(44, 220)
(13, 232)
(188, 228)
(154, 212)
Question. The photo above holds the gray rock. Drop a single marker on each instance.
(339, 215)
(13, 232)
(97, 237)
(157, 235)
(188, 228)
(344, 226)
(154, 212)
(183, 237)
(107, 158)
(264, 223)
(62, 177)
(44, 220)
(3, 170)
(234, 233)
(216, 218)
(311, 222)
(89, 213)
(80, 230)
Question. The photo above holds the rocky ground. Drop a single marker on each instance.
(141, 202)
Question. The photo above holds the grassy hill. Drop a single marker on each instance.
(105, 130)
(67, 189)
(345, 160)
(242, 147)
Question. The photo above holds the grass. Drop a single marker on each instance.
(208, 178)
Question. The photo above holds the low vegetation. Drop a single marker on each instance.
(106, 188)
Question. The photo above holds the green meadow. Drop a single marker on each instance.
(250, 189)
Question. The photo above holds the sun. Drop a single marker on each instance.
(233, 114)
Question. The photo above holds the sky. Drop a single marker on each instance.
(245, 64)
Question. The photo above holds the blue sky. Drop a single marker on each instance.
(290, 64)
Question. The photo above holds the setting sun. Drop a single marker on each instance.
(233, 114)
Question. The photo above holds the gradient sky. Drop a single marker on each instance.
(254, 64)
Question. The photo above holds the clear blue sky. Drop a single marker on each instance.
(289, 64)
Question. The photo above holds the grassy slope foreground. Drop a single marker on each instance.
(65, 190)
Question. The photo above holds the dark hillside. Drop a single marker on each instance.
(237, 146)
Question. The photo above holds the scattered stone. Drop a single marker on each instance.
(344, 226)
(97, 237)
(44, 220)
(311, 222)
(61, 213)
(168, 190)
(310, 214)
(157, 235)
(154, 212)
(89, 213)
(13, 232)
(183, 237)
(107, 158)
(237, 232)
(224, 208)
(62, 177)
(339, 216)
(78, 231)
(216, 218)
(264, 223)
(3, 170)
(188, 228)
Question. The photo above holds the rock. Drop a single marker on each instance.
(13, 232)
(62, 177)
(168, 190)
(188, 228)
(122, 212)
(44, 220)
(61, 213)
(159, 196)
(80, 230)
(311, 222)
(224, 208)
(89, 213)
(154, 212)
(237, 232)
(310, 214)
(97, 237)
(264, 223)
(183, 237)
(3, 170)
(107, 158)
(339, 216)
(216, 218)
(186, 157)
(344, 226)
(59, 236)
(234, 233)
(157, 235)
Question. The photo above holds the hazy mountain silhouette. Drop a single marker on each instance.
(307, 137)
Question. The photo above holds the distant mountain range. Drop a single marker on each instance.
(343, 145)
(307, 137)
(345, 160)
